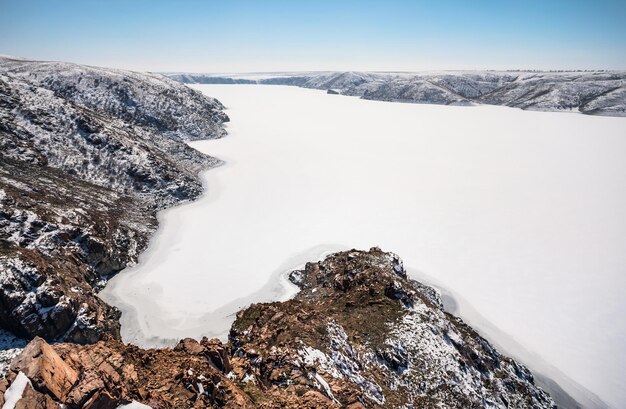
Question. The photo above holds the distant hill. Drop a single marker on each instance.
(595, 93)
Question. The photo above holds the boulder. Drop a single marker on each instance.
(45, 368)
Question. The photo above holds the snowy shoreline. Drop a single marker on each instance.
(211, 324)
(566, 392)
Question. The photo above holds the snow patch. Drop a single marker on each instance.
(134, 405)
(15, 391)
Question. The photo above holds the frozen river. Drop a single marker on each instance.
(520, 216)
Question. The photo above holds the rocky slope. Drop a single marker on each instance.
(359, 334)
(597, 93)
(87, 157)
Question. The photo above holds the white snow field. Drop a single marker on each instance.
(520, 216)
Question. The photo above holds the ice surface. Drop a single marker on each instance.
(519, 213)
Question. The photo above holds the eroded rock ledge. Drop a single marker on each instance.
(359, 334)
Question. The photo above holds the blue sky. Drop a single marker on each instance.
(244, 36)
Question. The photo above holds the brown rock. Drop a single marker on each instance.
(217, 353)
(32, 399)
(212, 349)
(102, 400)
(45, 368)
(190, 346)
(4, 384)
(89, 385)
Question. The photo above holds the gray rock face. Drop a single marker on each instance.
(121, 130)
(597, 93)
(87, 157)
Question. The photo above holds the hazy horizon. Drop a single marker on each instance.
(245, 73)
(271, 36)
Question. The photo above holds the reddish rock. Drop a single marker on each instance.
(45, 368)
(190, 346)
(109, 373)
(4, 384)
(34, 400)
(101, 400)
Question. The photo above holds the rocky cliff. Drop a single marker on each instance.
(359, 334)
(87, 157)
(596, 93)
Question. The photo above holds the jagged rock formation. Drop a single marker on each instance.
(597, 93)
(87, 156)
(108, 373)
(360, 334)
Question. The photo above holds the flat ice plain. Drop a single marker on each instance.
(520, 215)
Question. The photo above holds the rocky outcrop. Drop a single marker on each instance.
(597, 93)
(117, 129)
(362, 333)
(61, 237)
(87, 157)
(109, 373)
(359, 334)
(45, 369)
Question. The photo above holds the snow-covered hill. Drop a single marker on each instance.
(598, 93)
(87, 156)
(117, 129)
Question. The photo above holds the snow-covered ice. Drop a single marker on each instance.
(519, 214)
